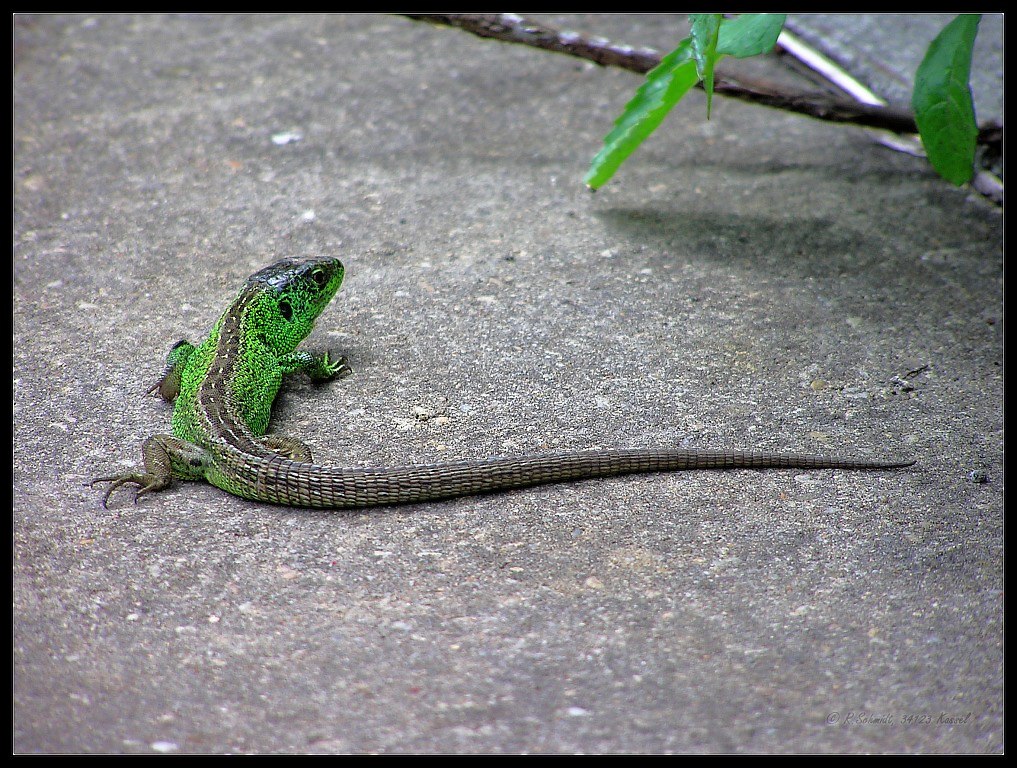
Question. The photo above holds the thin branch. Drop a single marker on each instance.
(512, 28)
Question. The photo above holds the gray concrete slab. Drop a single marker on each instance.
(760, 280)
(884, 51)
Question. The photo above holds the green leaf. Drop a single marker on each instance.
(693, 59)
(944, 109)
(750, 34)
(705, 29)
(664, 86)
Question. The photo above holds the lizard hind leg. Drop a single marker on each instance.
(288, 447)
(165, 457)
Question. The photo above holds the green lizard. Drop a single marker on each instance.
(223, 391)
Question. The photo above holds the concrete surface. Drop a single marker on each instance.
(885, 51)
(760, 280)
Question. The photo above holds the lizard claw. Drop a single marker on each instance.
(146, 482)
(338, 368)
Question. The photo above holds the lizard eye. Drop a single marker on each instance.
(319, 278)
(286, 310)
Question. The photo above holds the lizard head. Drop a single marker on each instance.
(288, 297)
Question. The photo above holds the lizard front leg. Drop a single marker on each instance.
(319, 368)
(165, 457)
(168, 385)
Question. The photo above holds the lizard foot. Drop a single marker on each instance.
(145, 481)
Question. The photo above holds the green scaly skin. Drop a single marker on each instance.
(223, 390)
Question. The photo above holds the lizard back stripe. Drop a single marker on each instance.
(215, 397)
